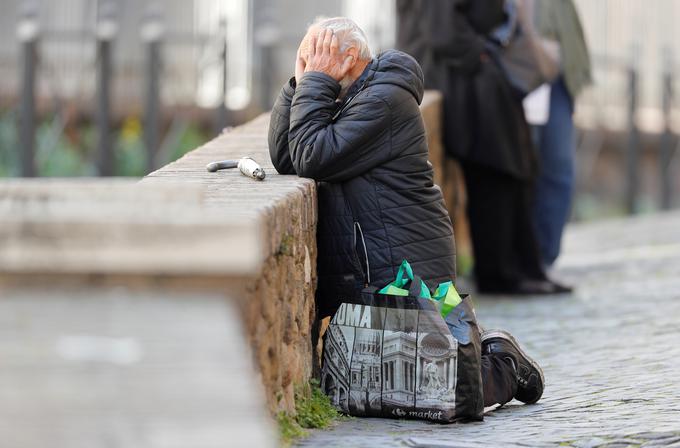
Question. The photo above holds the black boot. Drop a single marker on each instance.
(529, 375)
(527, 287)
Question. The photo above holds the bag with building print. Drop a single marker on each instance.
(402, 352)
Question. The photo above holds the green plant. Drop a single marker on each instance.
(313, 410)
(287, 245)
(9, 142)
(57, 156)
(190, 139)
(289, 429)
(71, 151)
(130, 152)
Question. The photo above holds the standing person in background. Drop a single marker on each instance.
(559, 20)
(485, 129)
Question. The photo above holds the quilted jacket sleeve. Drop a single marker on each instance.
(335, 149)
(278, 130)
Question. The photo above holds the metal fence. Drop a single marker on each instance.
(110, 54)
(113, 55)
(117, 57)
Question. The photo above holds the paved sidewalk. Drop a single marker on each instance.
(610, 352)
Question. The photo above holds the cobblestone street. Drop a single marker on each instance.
(610, 352)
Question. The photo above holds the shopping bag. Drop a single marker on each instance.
(392, 353)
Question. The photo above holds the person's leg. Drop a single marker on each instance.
(489, 206)
(529, 381)
(526, 247)
(499, 380)
(555, 184)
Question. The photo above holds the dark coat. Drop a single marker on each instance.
(484, 119)
(378, 204)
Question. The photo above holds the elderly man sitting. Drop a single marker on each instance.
(352, 122)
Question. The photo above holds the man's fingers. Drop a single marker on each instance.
(319, 42)
(335, 45)
(311, 48)
(300, 57)
(327, 41)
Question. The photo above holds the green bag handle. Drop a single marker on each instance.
(399, 286)
(404, 269)
(446, 296)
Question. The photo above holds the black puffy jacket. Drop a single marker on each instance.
(378, 204)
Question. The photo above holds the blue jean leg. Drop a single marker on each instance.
(555, 182)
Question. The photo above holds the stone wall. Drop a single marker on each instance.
(120, 319)
(278, 300)
(183, 230)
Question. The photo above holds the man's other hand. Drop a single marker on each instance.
(324, 56)
(299, 66)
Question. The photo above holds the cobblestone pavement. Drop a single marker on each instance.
(610, 352)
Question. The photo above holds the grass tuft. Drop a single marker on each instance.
(313, 410)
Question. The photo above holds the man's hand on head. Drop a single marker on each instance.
(300, 64)
(324, 56)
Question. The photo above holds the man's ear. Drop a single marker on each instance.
(354, 53)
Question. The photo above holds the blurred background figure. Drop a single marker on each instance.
(558, 20)
(485, 129)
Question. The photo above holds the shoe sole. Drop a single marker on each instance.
(507, 336)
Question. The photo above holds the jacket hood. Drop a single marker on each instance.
(400, 69)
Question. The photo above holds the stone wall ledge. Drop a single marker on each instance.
(278, 302)
(269, 201)
(255, 240)
(81, 227)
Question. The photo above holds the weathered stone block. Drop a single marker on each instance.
(94, 367)
(278, 307)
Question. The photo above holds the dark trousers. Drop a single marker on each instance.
(555, 184)
(503, 238)
(498, 379)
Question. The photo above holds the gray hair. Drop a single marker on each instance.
(348, 32)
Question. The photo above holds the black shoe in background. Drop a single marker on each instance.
(530, 378)
(559, 288)
(527, 287)
(519, 288)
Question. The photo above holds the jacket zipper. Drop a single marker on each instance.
(350, 100)
(367, 276)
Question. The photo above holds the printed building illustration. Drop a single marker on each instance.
(365, 383)
(373, 372)
(335, 373)
(399, 367)
(437, 369)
